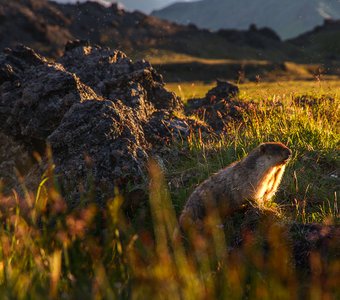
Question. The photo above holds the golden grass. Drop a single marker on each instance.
(47, 251)
(287, 89)
(263, 90)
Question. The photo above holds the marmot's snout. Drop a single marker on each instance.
(278, 151)
(287, 154)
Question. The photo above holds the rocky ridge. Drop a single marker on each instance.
(220, 106)
(291, 17)
(47, 26)
(103, 115)
(91, 113)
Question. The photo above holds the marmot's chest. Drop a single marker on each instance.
(268, 185)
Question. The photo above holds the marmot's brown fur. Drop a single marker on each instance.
(254, 178)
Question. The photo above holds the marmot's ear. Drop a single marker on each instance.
(263, 148)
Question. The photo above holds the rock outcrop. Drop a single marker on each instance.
(111, 74)
(315, 238)
(95, 108)
(35, 95)
(102, 115)
(220, 106)
(99, 145)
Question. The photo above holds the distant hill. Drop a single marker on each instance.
(178, 51)
(288, 18)
(321, 44)
(145, 6)
(47, 26)
(36, 23)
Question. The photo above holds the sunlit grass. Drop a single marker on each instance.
(263, 90)
(97, 253)
(160, 57)
(312, 132)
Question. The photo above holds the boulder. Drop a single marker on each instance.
(35, 95)
(299, 242)
(111, 74)
(315, 238)
(103, 116)
(220, 106)
(95, 108)
(99, 145)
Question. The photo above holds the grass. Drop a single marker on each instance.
(312, 132)
(179, 67)
(47, 251)
(263, 90)
(160, 57)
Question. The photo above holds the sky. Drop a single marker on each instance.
(143, 5)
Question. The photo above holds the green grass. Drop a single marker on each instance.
(160, 57)
(263, 90)
(313, 133)
(91, 253)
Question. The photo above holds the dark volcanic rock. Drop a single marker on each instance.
(223, 90)
(100, 143)
(13, 159)
(309, 238)
(312, 101)
(114, 76)
(220, 106)
(102, 114)
(163, 127)
(95, 107)
(35, 95)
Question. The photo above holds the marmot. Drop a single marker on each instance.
(254, 178)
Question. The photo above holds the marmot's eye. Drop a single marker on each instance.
(263, 148)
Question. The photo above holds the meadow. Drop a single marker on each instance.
(93, 253)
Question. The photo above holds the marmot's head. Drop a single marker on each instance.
(275, 153)
(267, 156)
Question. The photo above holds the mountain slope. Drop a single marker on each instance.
(47, 26)
(36, 23)
(322, 43)
(287, 17)
(135, 31)
(145, 6)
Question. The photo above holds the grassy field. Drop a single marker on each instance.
(94, 254)
(179, 67)
(285, 90)
(312, 131)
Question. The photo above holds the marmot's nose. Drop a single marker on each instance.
(288, 153)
